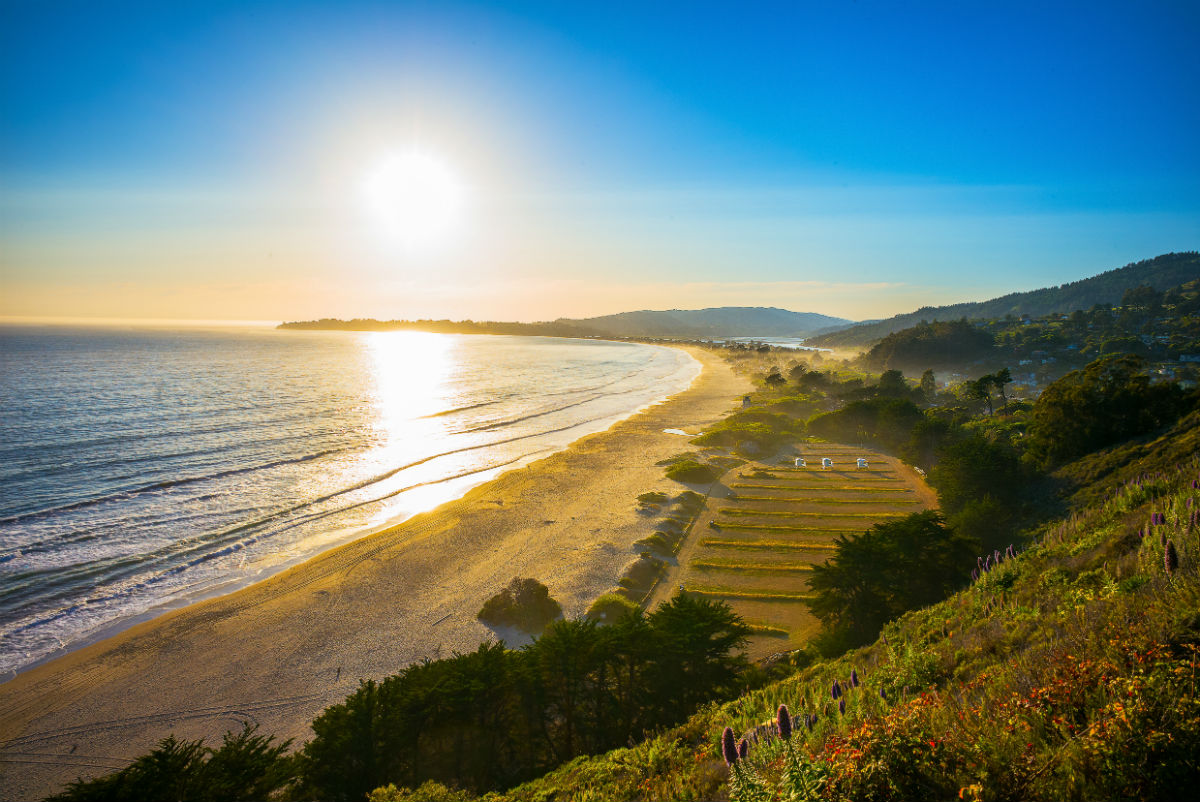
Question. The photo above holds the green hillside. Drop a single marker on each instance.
(1066, 672)
(1161, 273)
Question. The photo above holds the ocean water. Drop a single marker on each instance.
(142, 469)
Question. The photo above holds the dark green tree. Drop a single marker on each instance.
(929, 386)
(247, 766)
(698, 645)
(1108, 401)
(999, 379)
(891, 568)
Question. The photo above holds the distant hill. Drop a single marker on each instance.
(1161, 272)
(728, 321)
(725, 321)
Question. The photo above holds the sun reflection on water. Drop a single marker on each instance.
(410, 369)
(412, 373)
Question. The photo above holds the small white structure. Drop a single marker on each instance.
(800, 463)
(826, 463)
(862, 462)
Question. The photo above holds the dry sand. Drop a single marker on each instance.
(280, 651)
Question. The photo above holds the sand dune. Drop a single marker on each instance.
(280, 651)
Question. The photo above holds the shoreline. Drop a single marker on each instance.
(235, 584)
(281, 649)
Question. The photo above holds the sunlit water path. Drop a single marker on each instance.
(141, 469)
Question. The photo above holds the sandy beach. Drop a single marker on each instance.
(280, 651)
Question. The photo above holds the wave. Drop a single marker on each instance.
(163, 485)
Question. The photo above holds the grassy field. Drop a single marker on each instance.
(755, 543)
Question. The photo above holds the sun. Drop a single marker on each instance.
(416, 199)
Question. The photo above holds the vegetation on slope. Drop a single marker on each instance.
(1161, 273)
(1064, 673)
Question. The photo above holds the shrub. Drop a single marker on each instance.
(428, 792)
(691, 472)
(611, 607)
(524, 604)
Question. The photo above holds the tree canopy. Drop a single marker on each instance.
(1108, 401)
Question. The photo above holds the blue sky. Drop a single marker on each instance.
(860, 159)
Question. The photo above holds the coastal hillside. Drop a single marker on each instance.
(725, 321)
(1161, 273)
(1062, 669)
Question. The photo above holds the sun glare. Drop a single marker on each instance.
(416, 199)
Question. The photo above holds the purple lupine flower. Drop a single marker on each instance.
(783, 720)
(743, 749)
(1012, 552)
(854, 678)
(842, 707)
(883, 694)
(1162, 537)
(810, 722)
(979, 563)
(884, 639)
(974, 574)
(728, 747)
(996, 557)
(836, 690)
(1170, 557)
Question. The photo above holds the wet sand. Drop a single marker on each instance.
(280, 651)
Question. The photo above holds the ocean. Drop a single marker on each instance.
(142, 469)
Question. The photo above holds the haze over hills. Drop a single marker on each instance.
(1161, 273)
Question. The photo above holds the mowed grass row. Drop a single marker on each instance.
(828, 531)
(735, 511)
(862, 485)
(717, 591)
(767, 545)
(811, 500)
(823, 488)
(751, 568)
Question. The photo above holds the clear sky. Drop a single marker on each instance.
(209, 160)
